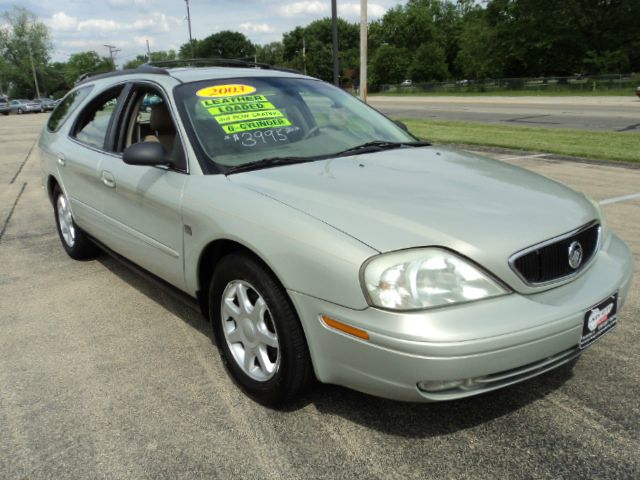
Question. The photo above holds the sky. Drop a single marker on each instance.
(80, 25)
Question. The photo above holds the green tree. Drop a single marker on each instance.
(318, 48)
(23, 38)
(271, 53)
(429, 63)
(225, 44)
(54, 80)
(389, 65)
(159, 56)
(477, 57)
(85, 63)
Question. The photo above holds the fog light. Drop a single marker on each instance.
(439, 385)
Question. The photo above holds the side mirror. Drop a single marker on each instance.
(402, 125)
(146, 153)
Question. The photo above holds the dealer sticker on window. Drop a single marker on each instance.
(225, 90)
(236, 110)
(599, 320)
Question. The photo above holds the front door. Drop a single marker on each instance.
(143, 204)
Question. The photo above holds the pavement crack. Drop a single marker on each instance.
(629, 128)
(24, 162)
(528, 118)
(13, 207)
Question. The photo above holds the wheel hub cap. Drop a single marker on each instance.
(65, 221)
(249, 330)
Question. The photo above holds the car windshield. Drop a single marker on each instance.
(240, 121)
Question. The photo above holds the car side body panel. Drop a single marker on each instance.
(306, 255)
(142, 207)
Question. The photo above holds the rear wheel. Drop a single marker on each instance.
(258, 331)
(75, 242)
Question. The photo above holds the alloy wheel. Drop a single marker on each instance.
(249, 330)
(65, 221)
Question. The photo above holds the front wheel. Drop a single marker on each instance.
(20, 112)
(258, 332)
(75, 242)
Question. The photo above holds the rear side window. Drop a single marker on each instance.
(66, 108)
(93, 122)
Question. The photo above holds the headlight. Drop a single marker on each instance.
(425, 278)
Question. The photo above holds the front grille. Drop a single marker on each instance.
(549, 261)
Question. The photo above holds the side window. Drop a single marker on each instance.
(93, 122)
(149, 120)
(66, 107)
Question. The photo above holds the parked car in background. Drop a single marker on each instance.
(4, 107)
(21, 106)
(46, 104)
(406, 83)
(638, 92)
(321, 238)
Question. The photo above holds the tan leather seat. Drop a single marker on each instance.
(162, 126)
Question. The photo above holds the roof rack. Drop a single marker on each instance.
(217, 62)
(146, 68)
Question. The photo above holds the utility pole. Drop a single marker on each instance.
(304, 56)
(112, 53)
(193, 55)
(363, 50)
(148, 51)
(33, 70)
(334, 32)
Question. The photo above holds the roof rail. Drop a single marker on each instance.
(86, 77)
(216, 62)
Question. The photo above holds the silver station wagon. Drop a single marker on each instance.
(323, 240)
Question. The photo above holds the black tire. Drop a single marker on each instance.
(294, 372)
(20, 112)
(81, 248)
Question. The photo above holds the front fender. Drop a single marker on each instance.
(307, 255)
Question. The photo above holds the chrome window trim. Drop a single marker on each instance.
(580, 269)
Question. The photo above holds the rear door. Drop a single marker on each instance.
(79, 157)
(143, 204)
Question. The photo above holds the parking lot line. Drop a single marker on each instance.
(623, 198)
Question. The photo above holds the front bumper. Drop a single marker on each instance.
(498, 341)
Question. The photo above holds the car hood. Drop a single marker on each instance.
(412, 197)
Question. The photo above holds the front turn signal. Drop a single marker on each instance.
(343, 327)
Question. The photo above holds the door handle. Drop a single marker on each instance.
(108, 180)
(61, 161)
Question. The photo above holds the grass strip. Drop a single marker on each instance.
(616, 146)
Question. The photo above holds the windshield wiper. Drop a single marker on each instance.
(379, 145)
(374, 146)
(267, 162)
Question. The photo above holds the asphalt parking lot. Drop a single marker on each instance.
(102, 375)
